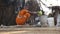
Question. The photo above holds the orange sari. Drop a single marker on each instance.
(22, 17)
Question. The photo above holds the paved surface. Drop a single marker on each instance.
(29, 30)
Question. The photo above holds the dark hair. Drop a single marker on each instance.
(32, 5)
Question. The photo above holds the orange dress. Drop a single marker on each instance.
(22, 17)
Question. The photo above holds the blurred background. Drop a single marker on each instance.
(43, 13)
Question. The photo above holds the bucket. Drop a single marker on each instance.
(51, 21)
(43, 20)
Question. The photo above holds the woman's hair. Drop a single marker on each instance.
(32, 5)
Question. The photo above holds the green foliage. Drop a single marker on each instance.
(39, 13)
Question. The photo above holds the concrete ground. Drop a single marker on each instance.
(30, 30)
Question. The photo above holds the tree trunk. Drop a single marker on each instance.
(7, 14)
